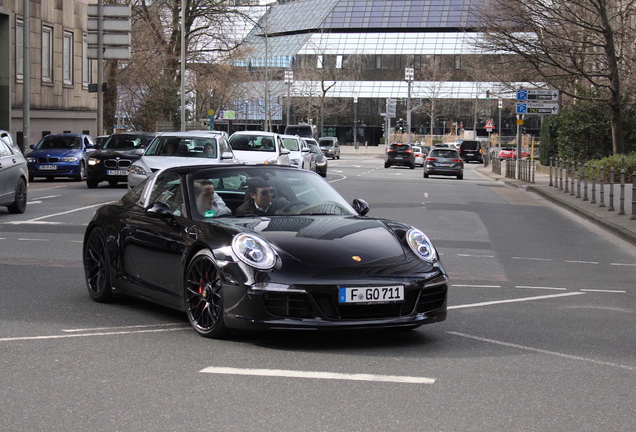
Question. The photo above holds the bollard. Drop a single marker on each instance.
(572, 171)
(533, 164)
(633, 196)
(621, 202)
(586, 174)
(578, 180)
(567, 182)
(560, 174)
(611, 192)
(550, 184)
(593, 201)
(602, 192)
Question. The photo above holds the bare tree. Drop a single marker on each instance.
(569, 44)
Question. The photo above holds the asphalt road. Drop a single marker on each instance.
(539, 333)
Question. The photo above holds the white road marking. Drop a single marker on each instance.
(523, 299)
(477, 286)
(318, 375)
(581, 262)
(120, 327)
(59, 214)
(475, 256)
(30, 239)
(115, 333)
(541, 287)
(621, 264)
(542, 351)
(532, 259)
(606, 291)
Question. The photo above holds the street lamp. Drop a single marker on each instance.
(289, 80)
(409, 74)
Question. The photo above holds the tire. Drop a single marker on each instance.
(31, 177)
(203, 296)
(81, 172)
(425, 175)
(112, 183)
(460, 176)
(97, 267)
(386, 165)
(92, 184)
(412, 166)
(20, 200)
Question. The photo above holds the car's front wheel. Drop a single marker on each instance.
(20, 199)
(81, 172)
(203, 296)
(97, 267)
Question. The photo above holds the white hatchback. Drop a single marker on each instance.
(258, 147)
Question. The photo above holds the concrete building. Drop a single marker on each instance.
(60, 73)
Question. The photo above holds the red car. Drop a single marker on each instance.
(510, 153)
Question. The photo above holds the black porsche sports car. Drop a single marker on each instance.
(316, 262)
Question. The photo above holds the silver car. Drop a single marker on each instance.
(180, 149)
(444, 161)
(14, 175)
(258, 147)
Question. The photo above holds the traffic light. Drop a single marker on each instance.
(487, 94)
(400, 125)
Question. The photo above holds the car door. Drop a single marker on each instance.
(9, 172)
(154, 246)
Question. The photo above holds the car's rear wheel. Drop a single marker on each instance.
(97, 267)
(412, 166)
(460, 176)
(386, 165)
(20, 200)
(425, 175)
(203, 296)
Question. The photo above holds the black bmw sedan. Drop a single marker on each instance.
(262, 247)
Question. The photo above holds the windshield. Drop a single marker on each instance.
(288, 192)
(60, 142)
(127, 142)
(263, 143)
(291, 144)
(183, 147)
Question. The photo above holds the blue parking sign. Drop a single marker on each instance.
(522, 95)
(522, 108)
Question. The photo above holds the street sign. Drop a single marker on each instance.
(538, 108)
(489, 125)
(537, 95)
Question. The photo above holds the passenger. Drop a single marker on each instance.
(209, 203)
(171, 149)
(261, 199)
(207, 149)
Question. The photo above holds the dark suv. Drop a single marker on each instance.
(399, 154)
(113, 159)
(471, 151)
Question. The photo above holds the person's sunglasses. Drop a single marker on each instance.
(266, 192)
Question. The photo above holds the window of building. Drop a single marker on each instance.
(47, 54)
(19, 50)
(68, 58)
(86, 64)
(319, 62)
(339, 62)
(458, 62)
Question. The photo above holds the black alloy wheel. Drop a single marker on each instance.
(97, 267)
(20, 202)
(204, 296)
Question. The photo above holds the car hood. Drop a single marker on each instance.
(120, 153)
(254, 156)
(60, 152)
(156, 163)
(333, 241)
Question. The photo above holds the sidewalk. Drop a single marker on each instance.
(621, 225)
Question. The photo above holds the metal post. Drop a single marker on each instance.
(26, 80)
(633, 196)
(550, 173)
(100, 67)
(183, 65)
(602, 181)
(621, 205)
(586, 174)
(560, 174)
(593, 201)
(611, 193)
(567, 182)
(572, 171)
(355, 122)
(533, 170)
(409, 75)
(578, 181)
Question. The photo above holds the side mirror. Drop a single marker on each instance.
(160, 210)
(140, 151)
(227, 155)
(361, 206)
(90, 146)
(284, 151)
(32, 146)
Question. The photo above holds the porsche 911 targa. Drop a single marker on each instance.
(262, 247)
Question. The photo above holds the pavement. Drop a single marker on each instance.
(622, 225)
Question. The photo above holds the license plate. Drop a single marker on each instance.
(385, 294)
(47, 167)
(398, 157)
(117, 172)
(445, 164)
(470, 154)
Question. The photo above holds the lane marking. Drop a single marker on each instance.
(523, 299)
(59, 214)
(318, 375)
(120, 327)
(542, 351)
(66, 336)
(581, 262)
(539, 287)
(477, 286)
(621, 264)
(30, 239)
(475, 256)
(600, 290)
(532, 259)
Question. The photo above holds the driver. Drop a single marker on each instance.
(261, 199)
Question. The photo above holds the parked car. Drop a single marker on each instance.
(471, 151)
(330, 146)
(281, 271)
(510, 153)
(13, 175)
(302, 130)
(111, 161)
(419, 155)
(318, 155)
(62, 155)
(299, 155)
(180, 149)
(443, 161)
(399, 154)
(257, 147)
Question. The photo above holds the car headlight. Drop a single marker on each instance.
(421, 245)
(136, 169)
(93, 161)
(30, 159)
(322, 163)
(68, 159)
(271, 161)
(254, 251)
(294, 162)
